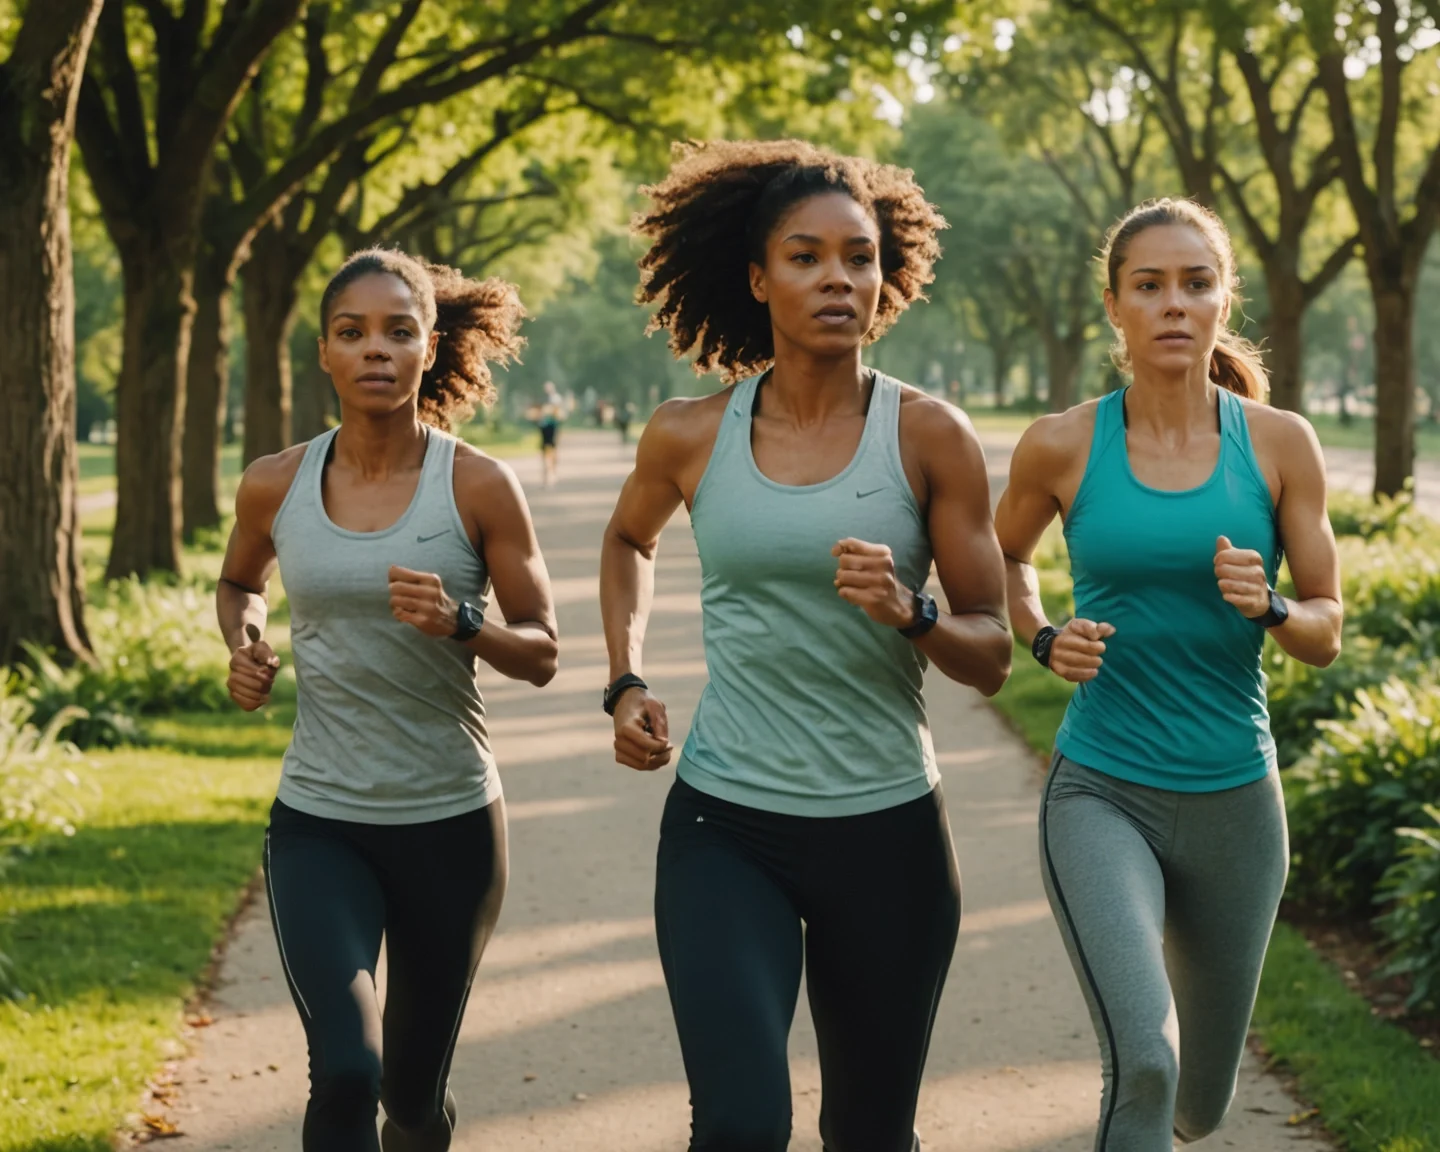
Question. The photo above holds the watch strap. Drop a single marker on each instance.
(468, 621)
(620, 685)
(1043, 642)
(927, 615)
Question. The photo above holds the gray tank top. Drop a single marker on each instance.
(389, 726)
(812, 709)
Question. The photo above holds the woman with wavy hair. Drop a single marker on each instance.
(389, 819)
(806, 826)
(1162, 830)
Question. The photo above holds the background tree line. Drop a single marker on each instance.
(226, 155)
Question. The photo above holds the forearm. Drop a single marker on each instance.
(1311, 633)
(627, 590)
(238, 609)
(525, 650)
(1022, 590)
(972, 648)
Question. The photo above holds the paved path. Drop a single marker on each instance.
(568, 1042)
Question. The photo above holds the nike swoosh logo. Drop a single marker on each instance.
(427, 539)
(862, 495)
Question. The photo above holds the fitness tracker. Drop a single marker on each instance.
(927, 614)
(468, 619)
(1043, 642)
(621, 685)
(1276, 614)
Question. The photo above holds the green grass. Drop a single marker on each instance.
(108, 931)
(1375, 1087)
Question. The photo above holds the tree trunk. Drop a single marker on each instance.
(1062, 361)
(314, 402)
(150, 406)
(271, 294)
(207, 382)
(42, 584)
(1394, 386)
(1284, 342)
(1000, 364)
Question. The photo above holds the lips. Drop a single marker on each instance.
(835, 314)
(1175, 336)
(375, 378)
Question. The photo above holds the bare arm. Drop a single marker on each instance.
(649, 498)
(1311, 633)
(525, 645)
(240, 603)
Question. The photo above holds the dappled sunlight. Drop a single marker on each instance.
(542, 809)
(515, 947)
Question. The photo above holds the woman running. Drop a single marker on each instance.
(818, 490)
(389, 819)
(1162, 831)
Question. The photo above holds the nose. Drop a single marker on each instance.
(837, 277)
(1174, 303)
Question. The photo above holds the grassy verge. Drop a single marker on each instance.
(108, 931)
(1375, 1087)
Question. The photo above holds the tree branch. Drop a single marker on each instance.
(1388, 128)
(131, 133)
(1334, 264)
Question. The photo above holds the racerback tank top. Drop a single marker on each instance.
(389, 724)
(811, 708)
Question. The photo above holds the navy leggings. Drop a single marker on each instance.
(433, 890)
(879, 898)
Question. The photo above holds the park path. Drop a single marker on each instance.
(568, 1042)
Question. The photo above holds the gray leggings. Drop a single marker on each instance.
(1166, 901)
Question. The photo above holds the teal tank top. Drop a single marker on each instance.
(1179, 702)
(389, 723)
(811, 709)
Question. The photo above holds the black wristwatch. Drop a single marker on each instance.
(927, 614)
(1043, 642)
(621, 685)
(1276, 614)
(468, 619)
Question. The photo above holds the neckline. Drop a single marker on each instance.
(1130, 471)
(399, 521)
(866, 434)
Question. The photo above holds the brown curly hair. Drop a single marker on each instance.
(712, 215)
(478, 322)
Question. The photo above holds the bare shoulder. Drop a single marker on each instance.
(680, 430)
(1059, 440)
(265, 484)
(935, 424)
(1276, 430)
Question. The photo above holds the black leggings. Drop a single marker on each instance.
(879, 896)
(434, 891)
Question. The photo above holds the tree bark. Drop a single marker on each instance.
(1394, 386)
(42, 583)
(1000, 357)
(1284, 342)
(314, 403)
(150, 408)
(1062, 363)
(271, 295)
(207, 385)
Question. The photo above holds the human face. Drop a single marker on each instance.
(375, 346)
(1169, 301)
(821, 278)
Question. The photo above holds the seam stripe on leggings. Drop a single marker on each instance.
(279, 939)
(1084, 962)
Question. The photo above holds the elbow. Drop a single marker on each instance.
(996, 676)
(1331, 652)
(546, 666)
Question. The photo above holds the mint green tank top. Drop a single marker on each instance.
(1180, 699)
(811, 709)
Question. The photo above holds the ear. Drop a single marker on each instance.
(1225, 313)
(431, 350)
(1112, 309)
(324, 355)
(757, 283)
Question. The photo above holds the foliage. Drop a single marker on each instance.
(1352, 514)
(39, 786)
(1410, 925)
(148, 660)
(1367, 776)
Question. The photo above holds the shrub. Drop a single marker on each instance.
(1352, 514)
(1410, 926)
(39, 787)
(155, 651)
(1391, 587)
(1367, 776)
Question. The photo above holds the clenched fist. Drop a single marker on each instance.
(865, 577)
(1240, 572)
(1077, 651)
(419, 599)
(642, 731)
(252, 672)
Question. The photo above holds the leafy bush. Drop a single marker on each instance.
(1391, 587)
(1367, 776)
(39, 787)
(1410, 926)
(156, 650)
(1352, 514)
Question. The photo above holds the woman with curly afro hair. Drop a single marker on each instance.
(389, 819)
(819, 492)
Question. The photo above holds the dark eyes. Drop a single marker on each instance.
(1195, 285)
(860, 259)
(352, 332)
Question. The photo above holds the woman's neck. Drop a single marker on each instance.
(379, 446)
(1172, 404)
(807, 389)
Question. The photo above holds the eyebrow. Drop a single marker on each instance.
(358, 316)
(1161, 271)
(808, 239)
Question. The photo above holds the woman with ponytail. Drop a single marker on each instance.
(1162, 829)
(389, 819)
